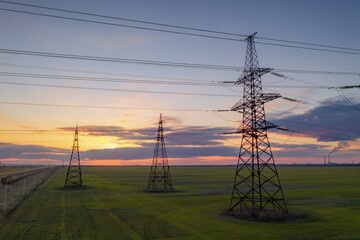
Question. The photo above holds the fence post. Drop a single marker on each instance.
(5, 196)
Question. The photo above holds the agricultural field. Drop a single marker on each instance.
(116, 206)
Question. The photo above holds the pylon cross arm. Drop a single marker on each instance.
(251, 73)
(267, 97)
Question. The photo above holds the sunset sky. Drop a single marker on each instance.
(117, 104)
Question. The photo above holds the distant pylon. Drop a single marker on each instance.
(257, 185)
(73, 176)
(160, 179)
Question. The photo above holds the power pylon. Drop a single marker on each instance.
(256, 185)
(73, 176)
(160, 179)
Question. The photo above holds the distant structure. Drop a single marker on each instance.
(160, 179)
(329, 162)
(257, 185)
(73, 176)
(324, 159)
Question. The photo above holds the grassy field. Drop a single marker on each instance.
(118, 208)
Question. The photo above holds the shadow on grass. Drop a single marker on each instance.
(162, 191)
(75, 188)
(266, 215)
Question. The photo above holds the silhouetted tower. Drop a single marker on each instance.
(73, 176)
(160, 179)
(257, 185)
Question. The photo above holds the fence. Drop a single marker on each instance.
(15, 187)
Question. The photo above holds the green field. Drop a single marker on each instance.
(118, 208)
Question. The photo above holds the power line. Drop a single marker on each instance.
(288, 140)
(319, 135)
(164, 63)
(114, 80)
(94, 131)
(317, 72)
(99, 72)
(347, 101)
(308, 44)
(127, 19)
(318, 126)
(104, 107)
(315, 101)
(305, 133)
(142, 81)
(142, 91)
(163, 109)
(167, 109)
(127, 26)
(179, 27)
(301, 123)
(118, 90)
(142, 130)
(308, 48)
(120, 60)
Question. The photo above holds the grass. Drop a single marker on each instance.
(116, 207)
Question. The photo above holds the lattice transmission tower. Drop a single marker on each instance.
(160, 178)
(73, 176)
(257, 185)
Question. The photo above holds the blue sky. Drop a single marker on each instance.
(323, 22)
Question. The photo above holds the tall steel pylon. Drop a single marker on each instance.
(160, 179)
(73, 176)
(256, 185)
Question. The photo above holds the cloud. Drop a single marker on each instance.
(197, 136)
(332, 121)
(175, 136)
(303, 150)
(147, 152)
(114, 131)
(8, 150)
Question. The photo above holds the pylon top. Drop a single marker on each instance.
(161, 121)
(250, 36)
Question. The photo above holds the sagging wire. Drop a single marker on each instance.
(346, 100)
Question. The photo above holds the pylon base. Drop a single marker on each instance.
(265, 215)
(76, 188)
(161, 191)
